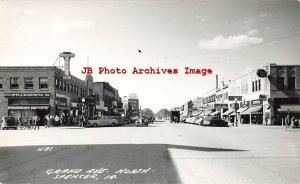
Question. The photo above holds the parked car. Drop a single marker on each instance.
(103, 121)
(9, 122)
(214, 121)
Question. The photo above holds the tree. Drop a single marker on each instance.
(148, 112)
(163, 113)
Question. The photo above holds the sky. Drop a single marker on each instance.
(231, 38)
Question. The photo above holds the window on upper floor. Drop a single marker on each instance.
(64, 86)
(291, 83)
(57, 84)
(14, 83)
(28, 83)
(43, 82)
(280, 82)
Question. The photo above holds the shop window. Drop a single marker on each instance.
(280, 82)
(1, 82)
(43, 83)
(14, 83)
(291, 83)
(28, 83)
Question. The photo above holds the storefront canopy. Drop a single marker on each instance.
(196, 113)
(252, 110)
(290, 108)
(228, 112)
(27, 107)
(215, 113)
(240, 110)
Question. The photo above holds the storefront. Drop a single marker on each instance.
(255, 112)
(27, 105)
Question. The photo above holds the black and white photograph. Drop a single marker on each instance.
(150, 91)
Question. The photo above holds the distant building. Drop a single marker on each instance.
(134, 106)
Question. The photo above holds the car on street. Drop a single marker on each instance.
(9, 122)
(103, 121)
(214, 121)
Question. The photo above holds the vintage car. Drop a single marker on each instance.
(9, 122)
(214, 121)
(103, 121)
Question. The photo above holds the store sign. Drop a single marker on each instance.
(232, 98)
(256, 102)
(27, 94)
(221, 106)
(245, 104)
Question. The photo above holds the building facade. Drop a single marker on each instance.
(38, 90)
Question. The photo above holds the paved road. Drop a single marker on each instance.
(160, 153)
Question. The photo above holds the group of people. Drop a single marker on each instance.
(291, 122)
(52, 120)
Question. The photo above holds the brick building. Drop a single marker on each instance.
(41, 90)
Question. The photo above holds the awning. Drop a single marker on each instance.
(242, 109)
(27, 107)
(215, 113)
(290, 108)
(228, 112)
(207, 112)
(196, 113)
(252, 110)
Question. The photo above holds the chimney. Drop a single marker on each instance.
(217, 82)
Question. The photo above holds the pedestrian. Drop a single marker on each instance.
(47, 121)
(56, 120)
(20, 119)
(292, 122)
(51, 118)
(81, 119)
(36, 121)
(287, 122)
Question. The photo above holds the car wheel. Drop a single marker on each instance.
(113, 124)
(95, 125)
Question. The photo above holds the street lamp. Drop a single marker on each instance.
(236, 108)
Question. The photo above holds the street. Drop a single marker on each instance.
(160, 153)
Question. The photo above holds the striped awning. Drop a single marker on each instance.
(228, 112)
(251, 110)
(242, 109)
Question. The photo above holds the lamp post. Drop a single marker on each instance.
(236, 107)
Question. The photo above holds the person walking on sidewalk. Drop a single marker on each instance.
(36, 121)
(287, 123)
